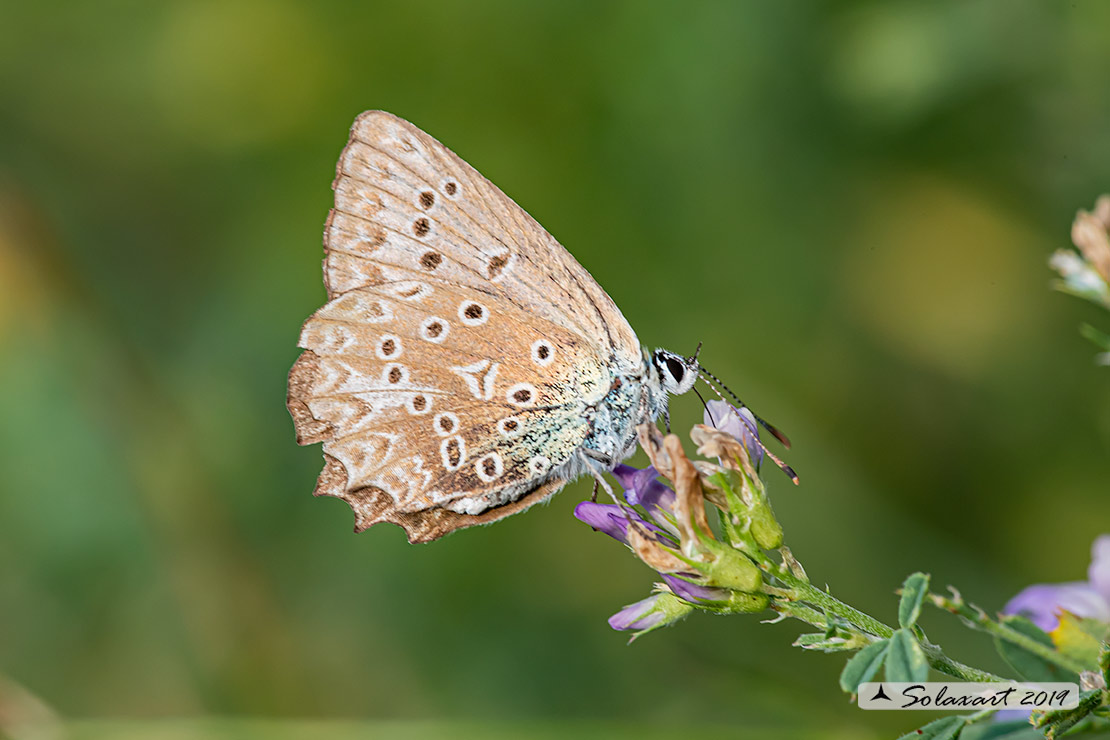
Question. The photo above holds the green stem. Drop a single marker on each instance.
(800, 590)
(1062, 720)
(802, 613)
(803, 591)
(851, 639)
(980, 715)
(978, 618)
(809, 593)
(962, 671)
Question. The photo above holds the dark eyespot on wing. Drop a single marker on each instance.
(496, 264)
(431, 260)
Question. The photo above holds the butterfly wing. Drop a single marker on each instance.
(402, 198)
(449, 373)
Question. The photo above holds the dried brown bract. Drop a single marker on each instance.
(689, 507)
(729, 450)
(648, 549)
(1089, 233)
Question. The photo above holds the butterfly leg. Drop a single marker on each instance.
(597, 464)
(593, 496)
(599, 479)
(594, 462)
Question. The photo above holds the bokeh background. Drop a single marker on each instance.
(850, 203)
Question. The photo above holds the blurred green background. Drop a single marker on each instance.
(850, 203)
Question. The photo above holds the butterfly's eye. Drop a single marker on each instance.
(676, 369)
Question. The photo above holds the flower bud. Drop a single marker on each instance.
(731, 569)
(658, 610)
(747, 603)
(765, 528)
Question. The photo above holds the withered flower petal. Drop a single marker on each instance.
(739, 422)
(689, 508)
(732, 453)
(652, 552)
(1089, 233)
(651, 440)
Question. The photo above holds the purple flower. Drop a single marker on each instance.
(607, 518)
(667, 529)
(613, 520)
(643, 488)
(740, 423)
(693, 592)
(642, 615)
(1042, 603)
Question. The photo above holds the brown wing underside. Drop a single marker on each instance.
(372, 505)
(416, 236)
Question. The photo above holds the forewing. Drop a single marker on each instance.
(405, 205)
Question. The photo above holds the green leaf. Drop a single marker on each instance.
(1093, 334)
(914, 591)
(945, 728)
(826, 643)
(906, 660)
(1080, 638)
(993, 730)
(1027, 665)
(863, 666)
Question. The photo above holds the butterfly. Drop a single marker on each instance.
(465, 366)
